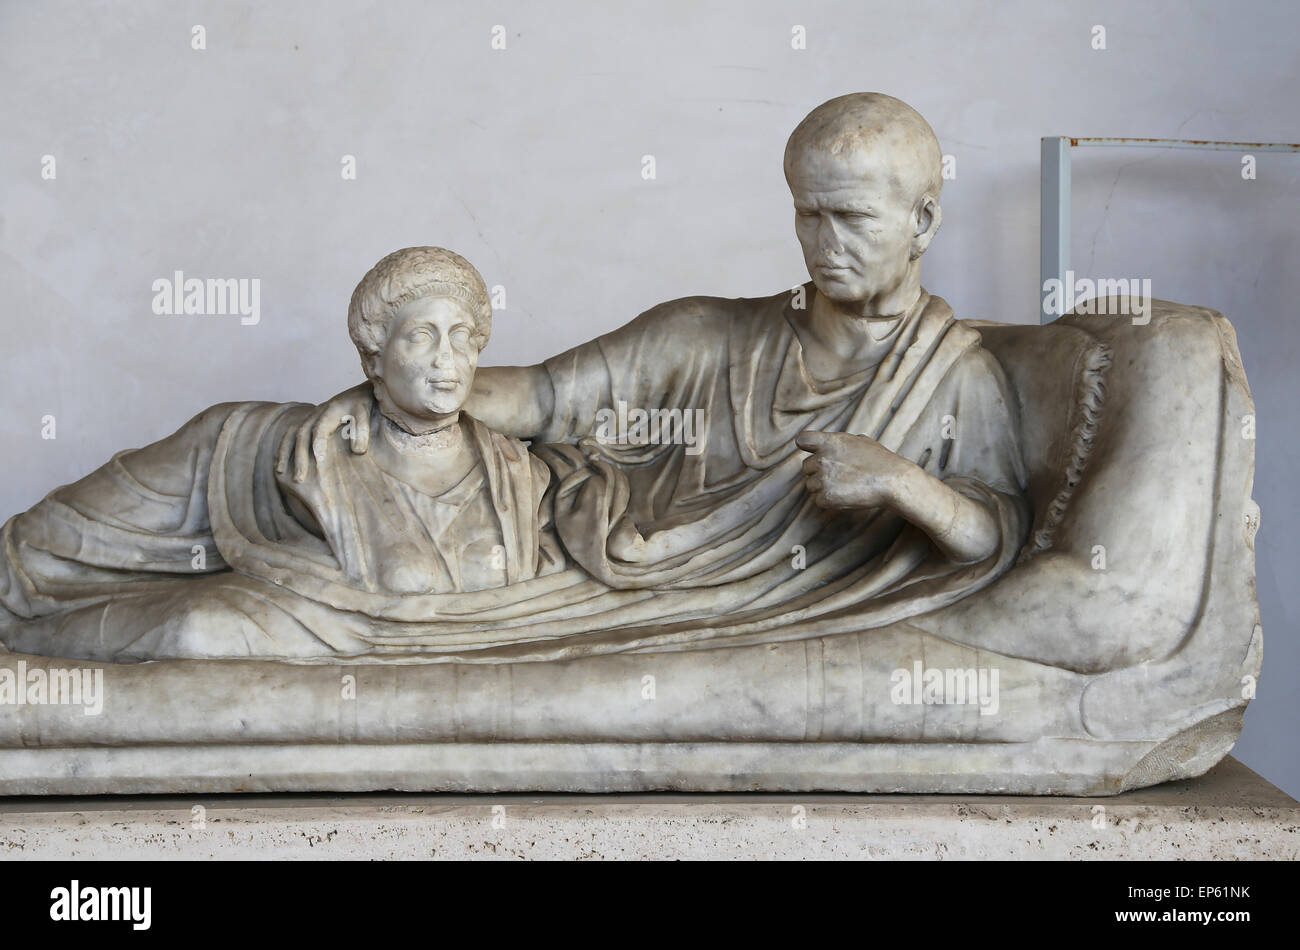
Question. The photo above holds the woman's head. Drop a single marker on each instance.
(419, 319)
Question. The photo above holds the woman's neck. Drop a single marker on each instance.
(432, 462)
(445, 436)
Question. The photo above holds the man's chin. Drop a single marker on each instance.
(839, 290)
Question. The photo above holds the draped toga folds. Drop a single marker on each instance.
(666, 545)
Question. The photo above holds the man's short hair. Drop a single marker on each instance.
(866, 120)
(407, 275)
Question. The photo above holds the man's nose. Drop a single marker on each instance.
(444, 357)
(829, 237)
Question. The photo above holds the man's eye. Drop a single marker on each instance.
(420, 336)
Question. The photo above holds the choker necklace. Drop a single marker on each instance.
(411, 444)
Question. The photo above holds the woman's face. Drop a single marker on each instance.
(428, 361)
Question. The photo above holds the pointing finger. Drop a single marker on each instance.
(810, 440)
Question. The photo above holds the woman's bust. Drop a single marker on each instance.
(418, 512)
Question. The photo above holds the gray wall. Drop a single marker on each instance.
(226, 163)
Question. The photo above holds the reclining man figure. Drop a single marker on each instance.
(860, 460)
(858, 466)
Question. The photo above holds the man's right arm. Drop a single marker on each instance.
(514, 400)
(527, 403)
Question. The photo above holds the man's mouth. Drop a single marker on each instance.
(443, 383)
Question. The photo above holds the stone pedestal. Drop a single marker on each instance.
(1229, 813)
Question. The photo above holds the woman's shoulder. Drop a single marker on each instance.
(509, 453)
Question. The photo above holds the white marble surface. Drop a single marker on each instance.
(1229, 814)
(1060, 514)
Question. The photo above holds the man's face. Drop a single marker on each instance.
(855, 226)
(428, 361)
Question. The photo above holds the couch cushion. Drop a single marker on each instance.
(1058, 374)
(1126, 573)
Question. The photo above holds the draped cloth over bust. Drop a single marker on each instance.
(633, 547)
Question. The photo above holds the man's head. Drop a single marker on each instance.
(865, 171)
(419, 319)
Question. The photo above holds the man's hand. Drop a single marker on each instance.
(351, 406)
(850, 471)
(855, 471)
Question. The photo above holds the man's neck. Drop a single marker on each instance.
(840, 340)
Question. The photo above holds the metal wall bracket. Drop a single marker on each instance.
(1054, 210)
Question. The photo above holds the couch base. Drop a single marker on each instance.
(1043, 767)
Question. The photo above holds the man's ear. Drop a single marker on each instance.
(928, 218)
(372, 363)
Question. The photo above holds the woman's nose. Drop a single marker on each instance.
(444, 355)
